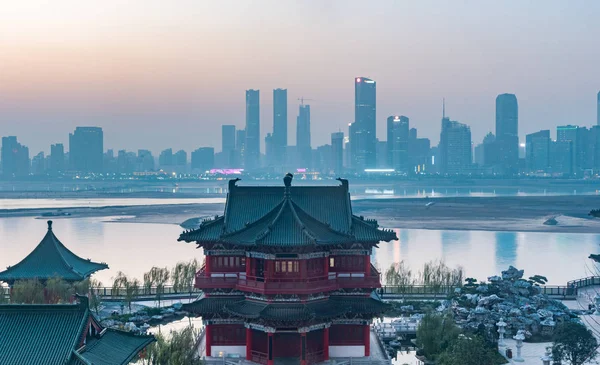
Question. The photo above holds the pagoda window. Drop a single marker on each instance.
(227, 263)
(315, 267)
(287, 268)
(353, 263)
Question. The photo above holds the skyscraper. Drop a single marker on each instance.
(252, 145)
(537, 151)
(507, 132)
(397, 143)
(86, 149)
(228, 144)
(363, 140)
(280, 121)
(240, 146)
(303, 136)
(337, 152)
(454, 150)
(203, 159)
(15, 157)
(57, 158)
(598, 109)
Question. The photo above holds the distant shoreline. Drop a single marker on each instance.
(520, 214)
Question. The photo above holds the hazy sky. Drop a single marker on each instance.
(159, 74)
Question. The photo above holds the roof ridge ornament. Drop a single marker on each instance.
(49, 225)
(287, 182)
(344, 182)
(232, 183)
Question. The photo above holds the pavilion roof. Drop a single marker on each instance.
(288, 216)
(50, 259)
(245, 308)
(52, 334)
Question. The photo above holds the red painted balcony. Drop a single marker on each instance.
(270, 286)
(216, 280)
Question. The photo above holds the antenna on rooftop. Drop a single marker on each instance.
(443, 108)
(302, 100)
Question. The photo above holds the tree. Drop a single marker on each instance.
(4, 293)
(131, 288)
(58, 291)
(538, 280)
(574, 343)
(469, 351)
(399, 275)
(178, 349)
(434, 334)
(156, 277)
(94, 298)
(28, 292)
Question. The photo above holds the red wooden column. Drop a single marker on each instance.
(270, 349)
(207, 266)
(326, 267)
(367, 265)
(248, 266)
(326, 343)
(303, 348)
(208, 339)
(248, 344)
(367, 339)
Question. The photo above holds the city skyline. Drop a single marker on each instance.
(170, 78)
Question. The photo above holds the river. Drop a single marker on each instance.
(135, 247)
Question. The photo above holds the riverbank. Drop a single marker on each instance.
(520, 213)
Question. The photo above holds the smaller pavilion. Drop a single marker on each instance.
(51, 259)
(63, 334)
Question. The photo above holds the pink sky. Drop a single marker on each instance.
(158, 74)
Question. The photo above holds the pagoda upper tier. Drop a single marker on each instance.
(51, 259)
(288, 216)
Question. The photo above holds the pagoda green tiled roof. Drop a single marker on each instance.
(52, 334)
(114, 347)
(288, 216)
(249, 309)
(51, 259)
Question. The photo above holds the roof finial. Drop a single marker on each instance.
(344, 183)
(287, 180)
(232, 183)
(49, 225)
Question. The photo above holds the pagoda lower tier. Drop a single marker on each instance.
(310, 331)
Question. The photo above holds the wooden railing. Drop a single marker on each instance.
(269, 285)
(259, 357)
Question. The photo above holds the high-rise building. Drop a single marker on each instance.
(363, 140)
(15, 157)
(280, 130)
(252, 145)
(418, 153)
(575, 135)
(145, 160)
(454, 152)
(507, 133)
(165, 159)
(228, 144)
(303, 144)
(86, 149)
(38, 166)
(240, 145)
(598, 109)
(337, 152)
(398, 132)
(269, 150)
(203, 159)
(57, 158)
(561, 157)
(180, 158)
(537, 151)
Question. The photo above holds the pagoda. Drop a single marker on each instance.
(51, 259)
(63, 334)
(288, 275)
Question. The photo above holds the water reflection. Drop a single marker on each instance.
(506, 250)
